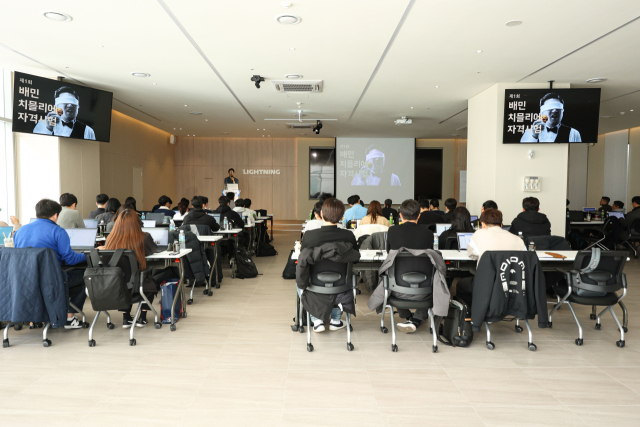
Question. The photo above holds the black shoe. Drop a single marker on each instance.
(127, 320)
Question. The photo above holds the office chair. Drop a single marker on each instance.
(634, 237)
(411, 276)
(594, 280)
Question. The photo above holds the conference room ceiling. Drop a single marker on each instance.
(378, 59)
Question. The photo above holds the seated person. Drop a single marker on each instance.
(374, 215)
(127, 234)
(45, 233)
(164, 207)
(618, 206)
(427, 216)
(489, 204)
(197, 215)
(183, 209)
(248, 210)
(356, 210)
(434, 206)
(449, 205)
(630, 216)
(232, 202)
(246, 216)
(389, 212)
(225, 211)
(184, 199)
(490, 238)
(460, 223)
(604, 204)
(317, 222)
(530, 222)
(331, 212)
(16, 224)
(205, 204)
(111, 207)
(112, 223)
(69, 217)
(411, 236)
(101, 200)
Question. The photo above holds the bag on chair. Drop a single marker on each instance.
(168, 291)
(246, 267)
(289, 271)
(106, 286)
(456, 327)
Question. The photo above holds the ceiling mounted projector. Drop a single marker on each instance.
(403, 121)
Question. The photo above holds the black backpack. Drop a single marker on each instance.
(456, 328)
(289, 271)
(265, 249)
(246, 267)
(107, 287)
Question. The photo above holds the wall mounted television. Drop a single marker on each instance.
(51, 107)
(551, 116)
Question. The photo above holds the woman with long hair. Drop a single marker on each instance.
(110, 208)
(460, 223)
(374, 215)
(183, 208)
(127, 234)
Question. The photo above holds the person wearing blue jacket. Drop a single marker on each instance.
(356, 210)
(44, 232)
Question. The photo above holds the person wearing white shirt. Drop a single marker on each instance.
(69, 217)
(63, 121)
(242, 211)
(549, 127)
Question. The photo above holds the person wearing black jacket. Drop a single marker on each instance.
(331, 213)
(428, 217)
(101, 200)
(460, 223)
(198, 216)
(531, 222)
(411, 236)
(226, 212)
(450, 204)
(389, 212)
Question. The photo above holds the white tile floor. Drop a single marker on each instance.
(235, 361)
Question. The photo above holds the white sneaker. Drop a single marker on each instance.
(407, 327)
(73, 323)
(318, 327)
(336, 326)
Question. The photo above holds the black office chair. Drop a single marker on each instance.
(134, 278)
(634, 237)
(451, 243)
(409, 275)
(549, 243)
(331, 278)
(605, 276)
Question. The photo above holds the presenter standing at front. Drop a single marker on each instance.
(230, 179)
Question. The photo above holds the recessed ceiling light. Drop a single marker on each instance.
(263, 136)
(155, 84)
(293, 76)
(286, 4)
(513, 23)
(437, 87)
(206, 120)
(269, 136)
(196, 113)
(180, 128)
(478, 51)
(174, 128)
(631, 110)
(292, 48)
(188, 135)
(257, 129)
(100, 45)
(263, 129)
(412, 108)
(622, 113)
(185, 105)
(288, 19)
(57, 16)
(139, 74)
(597, 80)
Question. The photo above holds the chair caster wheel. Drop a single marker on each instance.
(434, 348)
(217, 285)
(189, 301)
(349, 346)
(301, 329)
(598, 326)
(92, 343)
(309, 348)
(394, 348)
(384, 329)
(579, 341)
(620, 343)
(294, 328)
(158, 325)
(110, 325)
(17, 327)
(490, 345)
(40, 325)
(518, 328)
(132, 342)
(624, 328)
(85, 325)
(550, 325)
(210, 293)
(532, 347)
(173, 328)
(592, 316)
(5, 343)
(47, 343)
(350, 328)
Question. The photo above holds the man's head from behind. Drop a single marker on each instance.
(410, 210)
(491, 218)
(434, 204)
(388, 203)
(635, 201)
(101, 200)
(68, 200)
(332, 210)
(68, 100)
(604, 201)
(530, 204)
(239, 203)
(552, 106)
(223, 200)
(353, 200)
(48, 209)
(317, 210)
(450, 204)
(618, 204)
(196, 202)
(230, 195)
(165, 201)
(424, 203)
(489, 204)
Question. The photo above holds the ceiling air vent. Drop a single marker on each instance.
(300, 86)
(300, 125)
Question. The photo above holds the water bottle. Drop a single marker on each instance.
(391, 219)
(436, 242)
(182, 240)
(176, 246)
(226, 224)
(520, 235)
(172, 225)
(144, 216)
(588, 216)
(532, 247)
(102, 228)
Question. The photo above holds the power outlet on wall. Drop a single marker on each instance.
(531, 184)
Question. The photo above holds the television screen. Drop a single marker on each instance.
(50, 107)
(551, 115)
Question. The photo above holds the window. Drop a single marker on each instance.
(7, 176)
(322, 178)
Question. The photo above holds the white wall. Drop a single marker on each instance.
(616, 150)
(496, 170)
(578, 167)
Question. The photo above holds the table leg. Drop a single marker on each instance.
(272, 228)
(213, 271)
(175, 298)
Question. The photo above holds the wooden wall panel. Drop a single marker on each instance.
(258, 188)
(208, 151)
(184, 151)
(285, 193)
(259, 152)
(285, 152)
(185, 181)
(208, 182)
(235, 152)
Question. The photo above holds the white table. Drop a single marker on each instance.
(587, 223)
(228, 235)
(167, 257)
(206, 242)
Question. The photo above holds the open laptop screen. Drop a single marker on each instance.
(148, 223)
(474, 218)
(463, 240)
(216, 216)
(159, 235)
(82, 237)
(441, 228)
(91, 223)
(588, 209)
(619, 215)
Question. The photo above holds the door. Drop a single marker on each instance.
(137, 187)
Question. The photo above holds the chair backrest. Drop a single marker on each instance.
(634, 227)
(451, 242)
(411, 274)
(549, 243)
(330, 277)
(203, 230)
(607, 276)
(128, 263)
(368, 229)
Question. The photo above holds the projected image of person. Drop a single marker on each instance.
(63, 120)
(549, 127)
(373, 172)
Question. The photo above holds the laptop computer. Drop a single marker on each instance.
(157, 217)
(82, 239)
(216, 216)
(441, 228)
(463, 240)
(585, 210)
(474, 218)
(159, 235)
(232, 187)
(148, 223)
(618, 215)
(506, 227)
(91, 223)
